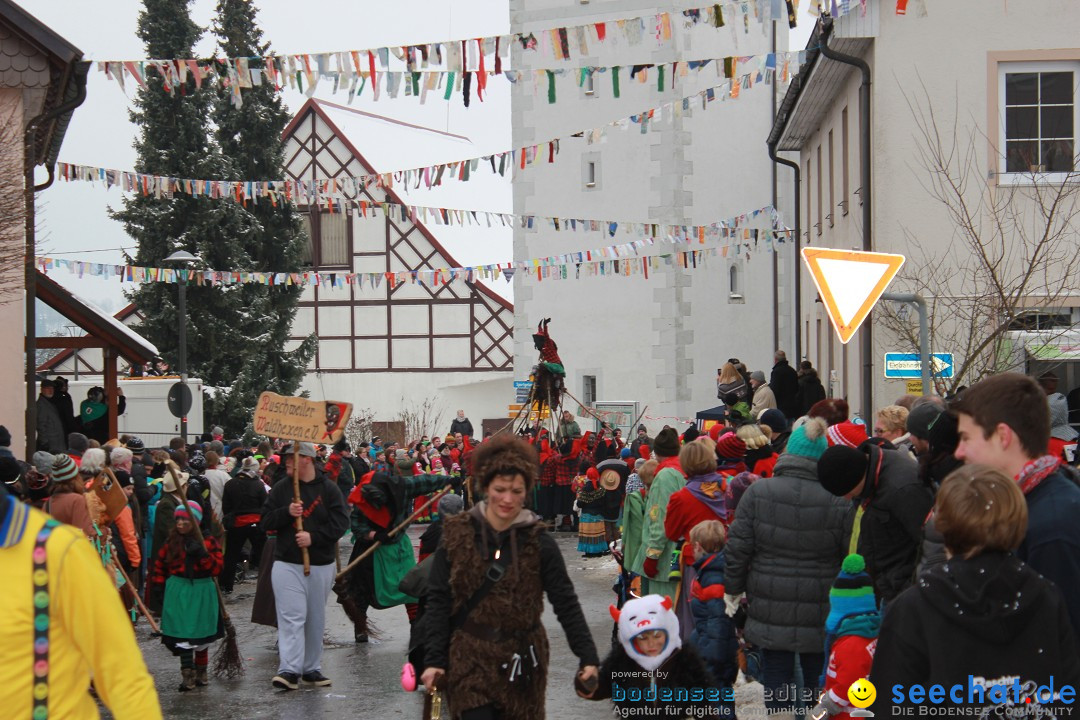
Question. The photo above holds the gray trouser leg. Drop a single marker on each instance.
(320, 582)
(301, 614)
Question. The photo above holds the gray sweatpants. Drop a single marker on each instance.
(301, 614)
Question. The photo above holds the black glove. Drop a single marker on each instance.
(381, 536)
(195, 548)
(456, 481)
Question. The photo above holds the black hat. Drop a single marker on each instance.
(46, 383)
(841, 469)
(5, 437)
(666, 443)
(10, 471)
(922, 418)
(342, 445)
(135, 444)
(691, 434)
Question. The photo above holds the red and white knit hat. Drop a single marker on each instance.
(846, 433)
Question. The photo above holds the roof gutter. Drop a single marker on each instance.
(30, 280)
(864, 195)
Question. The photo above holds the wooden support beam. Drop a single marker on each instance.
(83, 341)
(110, 389)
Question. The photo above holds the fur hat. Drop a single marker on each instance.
(852, 593)
(505, 454)
(647, 614)
(64, 469)
(841, 469)
(831, 410)
(666, 443)
(196, 510)
(846, 433)
(808, 440)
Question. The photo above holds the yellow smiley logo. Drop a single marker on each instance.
(862, 693)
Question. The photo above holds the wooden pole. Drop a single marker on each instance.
(296, 499)
(135, 594)
(405, 523)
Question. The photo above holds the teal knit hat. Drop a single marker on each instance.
(852, 593)
(808, 440)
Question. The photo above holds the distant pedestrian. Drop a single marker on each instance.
(764, 397)
(784, 382)
(461, 424)
(810, 388)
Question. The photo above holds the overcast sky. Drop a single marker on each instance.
(73, 219)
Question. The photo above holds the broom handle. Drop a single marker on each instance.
(405, 523)
(299, 522)
(135, 594)
(202, 541)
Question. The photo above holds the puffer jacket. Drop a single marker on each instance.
(784, 550)
(714, 632)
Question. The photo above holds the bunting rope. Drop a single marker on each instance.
(733, 230)
(464, 57)
(342, 193)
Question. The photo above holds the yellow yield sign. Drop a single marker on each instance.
(850, 283)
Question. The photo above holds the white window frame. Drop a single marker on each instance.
(1029, 178)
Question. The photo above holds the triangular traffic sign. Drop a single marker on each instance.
(850, 283)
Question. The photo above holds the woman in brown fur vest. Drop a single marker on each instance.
(490, 645)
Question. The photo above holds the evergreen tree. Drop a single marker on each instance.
(175, 140)
(250, 140)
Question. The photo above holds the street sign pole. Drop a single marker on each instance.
(924, 333)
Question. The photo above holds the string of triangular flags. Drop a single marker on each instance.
(342, 193)
(840, 8)
(464, 57)
(733, 234)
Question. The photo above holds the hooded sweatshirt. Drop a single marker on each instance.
(989, 617)
(325, 518)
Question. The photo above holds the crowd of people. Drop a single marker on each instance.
(788, 541)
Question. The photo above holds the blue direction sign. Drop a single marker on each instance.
(904, 366)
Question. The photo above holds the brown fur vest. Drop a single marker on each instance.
(480, 667)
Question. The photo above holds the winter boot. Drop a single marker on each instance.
(187, 681)
(201, 677)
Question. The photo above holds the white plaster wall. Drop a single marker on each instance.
(12, 314)
(907, 59)
(658, 341)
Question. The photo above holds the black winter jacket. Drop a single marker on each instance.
(810, 391)
(714, 631)
(243, 495)
(325, 517)
(784, 382)
(989, 617)
(641, 694)
(896, 505)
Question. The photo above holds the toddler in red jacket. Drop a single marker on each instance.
(851, 631)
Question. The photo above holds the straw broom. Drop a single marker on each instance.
(228, 662)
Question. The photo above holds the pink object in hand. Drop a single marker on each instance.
(408, 677)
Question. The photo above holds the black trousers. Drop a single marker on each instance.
(234, 546)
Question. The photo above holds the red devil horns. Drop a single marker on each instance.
(614, 612)
(666, 602)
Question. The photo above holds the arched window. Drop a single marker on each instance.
(733, 280)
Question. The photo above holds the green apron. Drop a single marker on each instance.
(391, 563)
(191, 608)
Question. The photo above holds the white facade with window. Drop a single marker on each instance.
(655, 341)
(1003, 78)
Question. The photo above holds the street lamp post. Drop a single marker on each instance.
(185, 259)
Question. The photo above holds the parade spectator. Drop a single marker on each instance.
(891, 505)
(641, 439)
(760, 456)
(50, 427)
(94, 413)
(68, 502)
(657, 549)
(5, 443)
(811, 390)
(77, 444)
(784, 549)
(775, 424)
(568, 428)
(216, 477)
(1062, 443)
(832, 410)
(714, 632)
(851, 631)
(184, 572)
(1004, 422)
(339, 467)
(64, 404)
(701, 499)
(461, 425)
(891, 424)
(764, 398)
(984, 613)
(784, 381)
(63, 604)
(242, 501)
(501, 540)
(301, 599)
(730, 382)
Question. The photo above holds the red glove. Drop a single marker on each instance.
(650, 567)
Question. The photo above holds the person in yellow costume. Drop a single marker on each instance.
(63, 626)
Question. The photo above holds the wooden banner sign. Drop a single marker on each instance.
(108, 490)
(293, 418)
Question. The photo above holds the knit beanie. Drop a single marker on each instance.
(624, 453)
(841, 469)
(832, 410)
(196, 509)
(64, 469)
(691, 434)
(666, 443)
(774, 419)
(44, 462)
(846, 433)
(921, 418)
(450, 504)
(852, 592)
(715, 430)
(808, 440)
(730, 447)
(5, 437)
(10, 471)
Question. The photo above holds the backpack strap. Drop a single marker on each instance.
(41, 621)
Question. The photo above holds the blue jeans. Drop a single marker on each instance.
(790, 680)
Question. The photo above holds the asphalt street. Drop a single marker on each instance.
(367, 677)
